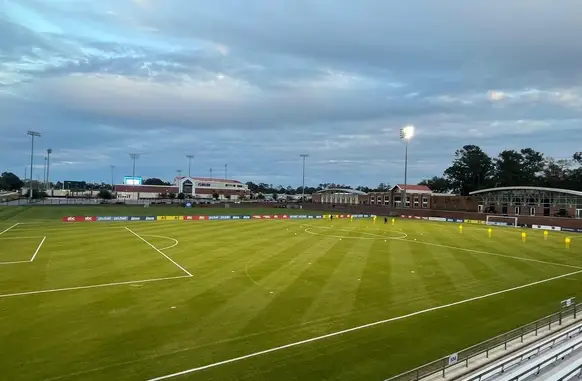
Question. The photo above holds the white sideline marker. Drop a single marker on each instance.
(380, 322)
(158, 250)
(90, 286)
(13, 226)
(37, 249)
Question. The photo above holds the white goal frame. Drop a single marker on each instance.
(513, 219)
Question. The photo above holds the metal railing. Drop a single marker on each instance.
(464, 356)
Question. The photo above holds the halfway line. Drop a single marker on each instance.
(158, 250)
(88, 287)
(13, 226)
(216, 364)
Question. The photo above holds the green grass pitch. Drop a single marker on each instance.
(101, 302)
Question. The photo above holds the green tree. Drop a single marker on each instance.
(9, 181)
(472, 169)
(437, 184)
(509, 169)
(105, 194)
(155, 181)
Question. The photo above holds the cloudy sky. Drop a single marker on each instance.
(254, 83)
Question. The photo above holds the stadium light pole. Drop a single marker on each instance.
(303, 156)
(225, 171)
(134, 157)
(406, 134)
(32, 135)
(112, 177)
(44, 172)
(190, 157)
(48, 166)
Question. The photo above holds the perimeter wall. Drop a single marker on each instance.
(567, 223)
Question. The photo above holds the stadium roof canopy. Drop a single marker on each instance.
(342, 190)
(525, 188)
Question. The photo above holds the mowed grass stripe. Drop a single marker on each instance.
(249, 311)
(339, 293)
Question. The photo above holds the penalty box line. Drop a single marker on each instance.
(10, 228)
(338, 333)
(33, 255)
(25, 293)
(159, 251)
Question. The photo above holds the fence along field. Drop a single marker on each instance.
(268, 299)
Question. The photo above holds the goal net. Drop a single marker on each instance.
(501, 221)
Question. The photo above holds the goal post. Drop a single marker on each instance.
(501, 220)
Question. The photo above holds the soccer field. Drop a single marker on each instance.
(261, 299)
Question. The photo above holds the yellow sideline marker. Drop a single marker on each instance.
(490, 232)
(567, 242)
(546, 233)
(523, 236)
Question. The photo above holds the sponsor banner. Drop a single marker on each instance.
(256, 217)
(220, 217)
(73, 219)
(137, 218)
(437, 219)
(425, 218)
(188, 218)
(450, 220)
(572, 230)
(499, 223)
(246, 217)
(120, 218)
(475, 222)
(417, 218)
(319, 217)
(105, 218)
(546, 227)
(236, 217)
(150, 218)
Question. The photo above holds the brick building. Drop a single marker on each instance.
(417, 196)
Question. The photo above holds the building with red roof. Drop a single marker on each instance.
(195, 187)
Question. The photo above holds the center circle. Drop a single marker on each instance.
(370, 236)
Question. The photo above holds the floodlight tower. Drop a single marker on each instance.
(32, 134)
(406, 134)
(48, 167)
(134, 157)
(112, 177)
(303, 156)
(190, 157)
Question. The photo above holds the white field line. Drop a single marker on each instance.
(159, 251)
(493, 254)
(176, 242)
(37, 249)
(90, 286)
(453, 248)
(11, 263)
(13, 226)
(380, 322)
(6, 238)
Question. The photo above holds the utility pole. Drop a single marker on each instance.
(210, 173)
(32, 135)
(44, 173)
(225, 171)
(48, 167)
(304, 156)
(190, 157)
(134, 157)
(112, 177)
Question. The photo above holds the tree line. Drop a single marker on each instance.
(472, 169)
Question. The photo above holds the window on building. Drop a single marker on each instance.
(408, 201)
(416, 200)
(425, 202)
(372, 200)
(480, 208)
(379, 199)
(532, 211)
